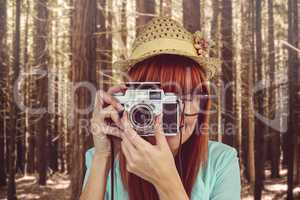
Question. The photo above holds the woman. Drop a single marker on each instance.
(185, 166)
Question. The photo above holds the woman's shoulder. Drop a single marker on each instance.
(221, 159)
(220, 154)
(216, 149)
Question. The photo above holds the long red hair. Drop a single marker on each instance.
(166, 68)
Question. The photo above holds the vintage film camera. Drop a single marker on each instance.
(143, 101)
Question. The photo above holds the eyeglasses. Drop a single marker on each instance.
(191, 104)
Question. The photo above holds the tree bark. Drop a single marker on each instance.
(275, 136)
(260, 126)
(191, 15)
(165, 8)
(146, 11)
(83, 70)
(215, 36)
(124, 32)
(294, 83)
(41, 57)
(4, 67)
(11, 190)
(228, 67)
(247, 63)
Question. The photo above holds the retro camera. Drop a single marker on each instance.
(143, 101)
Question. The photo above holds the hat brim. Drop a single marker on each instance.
(209, 64)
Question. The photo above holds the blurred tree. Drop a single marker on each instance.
(274, 144)
(228, 66)
(83, 70)
(215, 118)
(124, 32)
(145, 11)
(247, 75)
(41, 61)
(260, 105)
(53, 131)
(294, 99)
(13, 109)
(28, 96)
(191, 15)
(4, 67)
(165, 8)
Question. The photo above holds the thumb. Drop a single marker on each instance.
(159, 133)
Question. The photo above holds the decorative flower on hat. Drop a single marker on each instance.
(201, 43)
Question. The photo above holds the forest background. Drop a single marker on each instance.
(48, 46)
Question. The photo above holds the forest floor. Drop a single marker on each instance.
(274, 189)
(58, 188)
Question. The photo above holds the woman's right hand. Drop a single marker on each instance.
(99, 128)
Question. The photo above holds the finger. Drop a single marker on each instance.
(111, 113)
(159, 133)
(125, 150)
(113, 132)
(129, 146)
(98, 101)
(100, 129)
(116, 88)
(131, 134)
(108, 99)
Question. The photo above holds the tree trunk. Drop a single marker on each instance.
(260, 126)
(247, 63)
(69, 100)
(191, 15)
(3, 74)
(275, 136)
(124, 32)
(214, 32)
(228, 67)
(102, 46)
(53, 123)
(41, 58)
(294, 105)
(11, 190)
(146, 10)
(22, 132)
(83, 69)
(31, 140)
(4, 67)
(165, 8)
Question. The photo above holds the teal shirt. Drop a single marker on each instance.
(219, 180)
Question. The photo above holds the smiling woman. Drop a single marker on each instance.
(183, 166)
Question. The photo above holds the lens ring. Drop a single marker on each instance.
(141, 117)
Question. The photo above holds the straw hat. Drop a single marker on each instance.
(163, 35)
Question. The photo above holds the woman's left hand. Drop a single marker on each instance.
(154, 163)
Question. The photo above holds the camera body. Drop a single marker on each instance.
(144, 101)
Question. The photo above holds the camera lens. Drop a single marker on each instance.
(142, 117)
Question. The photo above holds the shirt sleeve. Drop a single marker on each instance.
(228, 184)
